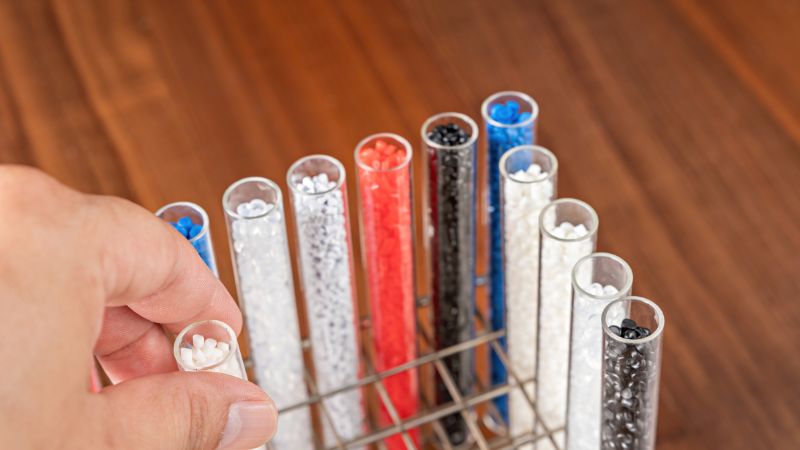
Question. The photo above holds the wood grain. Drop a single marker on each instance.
(678, 121)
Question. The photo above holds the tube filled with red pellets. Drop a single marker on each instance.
(384, 182)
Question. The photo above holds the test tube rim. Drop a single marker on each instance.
(628, 279)
(176, 346)
(271, 184)
(549, 154)
(338, 164)
(203, 216)
(461, 116)
(634, 298)
(592, 213)
(525, 97)
(409, 152)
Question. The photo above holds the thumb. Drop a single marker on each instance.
(186, 410)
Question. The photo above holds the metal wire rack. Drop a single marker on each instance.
(486, 429)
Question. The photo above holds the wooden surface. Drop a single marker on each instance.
(679, 121)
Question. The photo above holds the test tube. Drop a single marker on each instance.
(209, 346)
(319, 201)
(568, 233)
(632, 333)
(597, 280)
(383, 164)
(509, 120)
(450, 141)
(529, 176)
(260, 254)
(192, 222)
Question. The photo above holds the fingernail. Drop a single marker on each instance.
(249, 425)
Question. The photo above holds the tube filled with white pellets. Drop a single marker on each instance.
(568, 233)
(528, 177)
(209, 346)
(260, 255)
(319, 201)
(597, 280)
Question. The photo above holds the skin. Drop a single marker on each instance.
(82, 275)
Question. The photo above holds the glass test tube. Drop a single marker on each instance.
(319, 201)
(529, 176)
(450, 141)
(509, 120)
(260, 254)
(632, 334)
(568, 233)
(209, 346)
(387, 231)
(597, 280)
(192, 222)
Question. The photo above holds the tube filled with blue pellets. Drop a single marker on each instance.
(191, 221)
(509, 120)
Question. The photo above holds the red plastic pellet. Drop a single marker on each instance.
(386, 208)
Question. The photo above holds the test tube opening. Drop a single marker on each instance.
(520, 159)
(463, 121)
(248, 189)
(526, 103)
(175, 211)
(603, 268)
(312, 166)
(568, 210)
(213, 329)
(377, 142)
(644, 312)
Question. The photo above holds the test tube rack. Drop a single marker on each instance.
(486, 430)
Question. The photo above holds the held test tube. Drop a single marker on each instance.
(450, 146)
(260, 254)
(319, 201)
(568, 233)
(209, 346)
(509, 120)
(528, 183)
(192, 222)
(386, 213)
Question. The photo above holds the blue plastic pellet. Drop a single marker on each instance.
(181, 229)
(186, 222)
(195, 230)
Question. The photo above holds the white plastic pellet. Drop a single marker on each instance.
(186, 356)
(197, 341)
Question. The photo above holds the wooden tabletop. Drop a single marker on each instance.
(679, 121)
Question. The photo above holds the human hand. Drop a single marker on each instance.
(82, 274)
